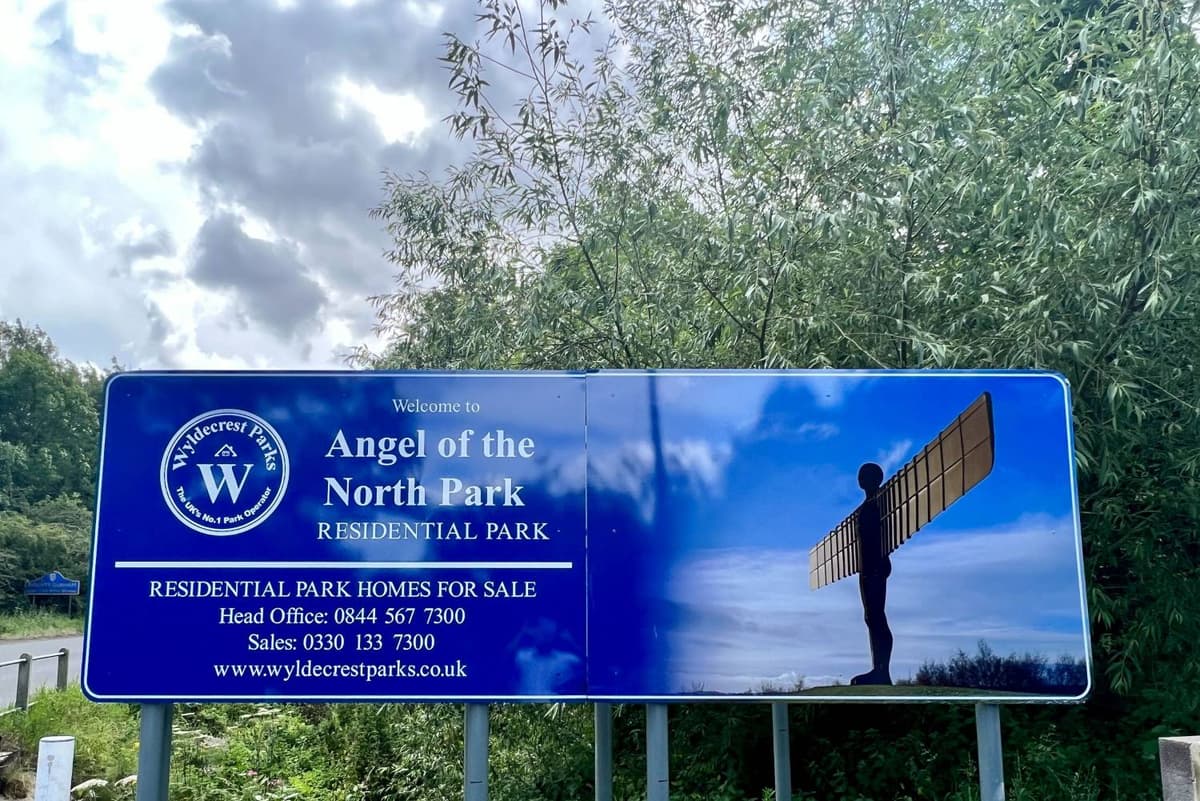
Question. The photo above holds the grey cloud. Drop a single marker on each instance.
(157, 242)
(158, 348)
(298, 181)
(160, 329)
(270, 282)
(281, 56)
(259, 83)
(261, 79)
(188, 81)
(59, 259)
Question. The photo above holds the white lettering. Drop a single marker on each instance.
(228, 479)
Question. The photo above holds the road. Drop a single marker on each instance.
(45, 671)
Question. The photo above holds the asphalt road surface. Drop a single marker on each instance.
(45, 671)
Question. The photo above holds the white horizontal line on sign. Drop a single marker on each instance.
(352, 565)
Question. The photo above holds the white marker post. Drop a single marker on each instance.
(56, 761)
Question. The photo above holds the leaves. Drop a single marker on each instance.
(895, 183)
(48, 421)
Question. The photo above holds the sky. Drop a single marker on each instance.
(188, 183)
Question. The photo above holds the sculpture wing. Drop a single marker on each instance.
(943, 471)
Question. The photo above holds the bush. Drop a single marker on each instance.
(1028, 673)
(53, 535)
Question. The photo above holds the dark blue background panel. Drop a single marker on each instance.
(349, 536)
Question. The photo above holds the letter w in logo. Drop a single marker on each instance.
(228, 480)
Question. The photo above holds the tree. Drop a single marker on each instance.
(895, 183)
(48, 443)
(49, 422)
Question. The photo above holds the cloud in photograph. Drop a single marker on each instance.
(748, 618)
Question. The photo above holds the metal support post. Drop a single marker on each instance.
(783, 751)
(475, 775)
(154, 753)
(64, 657)
(991, 752)
(657, 750)
(603, 726)
(23, 670)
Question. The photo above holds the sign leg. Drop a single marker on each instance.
(154, 753)
(657, 750)
(783, 751)
(476, 773)
(603, 735)
(991, 752)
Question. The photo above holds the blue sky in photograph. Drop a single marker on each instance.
(761, 467)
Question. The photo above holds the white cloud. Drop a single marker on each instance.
(89, 146)
(428, 14)
(893, 456)
(804, 432)
(629, 469)
(400, 118)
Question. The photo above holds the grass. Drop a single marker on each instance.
(105, 738)
(32, 623)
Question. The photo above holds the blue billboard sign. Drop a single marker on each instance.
(53, 583)
(626, 535)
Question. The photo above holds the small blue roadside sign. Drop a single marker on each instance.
(53, 583)
(348, 536)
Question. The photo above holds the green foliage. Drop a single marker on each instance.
(896, 183)
(720, 752)
(401, 753)
(53, 535)
(48, 421)
(371, 752)
(49, 424)
(26, 623)
(105, 735)
(253, 752)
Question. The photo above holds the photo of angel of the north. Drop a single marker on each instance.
(848, 535)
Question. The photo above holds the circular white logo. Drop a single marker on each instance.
(224, 472)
